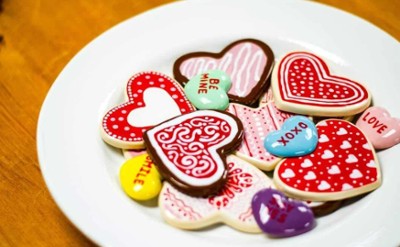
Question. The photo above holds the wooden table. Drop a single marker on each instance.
(37, 39)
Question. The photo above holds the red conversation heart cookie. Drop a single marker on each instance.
(248, 63)
(302, 83)
(152, 99)
(190, 150)
(343, 165)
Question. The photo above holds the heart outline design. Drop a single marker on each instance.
(115, 128)
(256, 91)
(300, 95)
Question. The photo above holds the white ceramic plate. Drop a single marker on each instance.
(81, 171)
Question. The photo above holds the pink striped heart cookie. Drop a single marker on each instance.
(343, 165)
(231, 205)
(152, 98)
(257, 124)
(248, 62)
(302, 83)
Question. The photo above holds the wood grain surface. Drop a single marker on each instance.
(37, 39)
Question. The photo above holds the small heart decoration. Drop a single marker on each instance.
(280, 216)
(297, 137)
(190, 149)
(148, 93)
(333, 172)
(208, 90)
(231, 205)
(248, 62)
(302, 83)
(381, 129)
(258, 123)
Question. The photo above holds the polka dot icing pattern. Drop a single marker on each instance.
(189, 150)
(231, 205)
(148, 93)
(257, 124)
(248, 62)
(343, 165)
(302, 83)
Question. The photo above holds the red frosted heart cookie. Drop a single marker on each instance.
(343, 165)
(152, 99)
(302, 83)
(248, 63)
(190, 150)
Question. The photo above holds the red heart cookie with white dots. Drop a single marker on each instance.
(231, 205)
(190, 150)
(343, 165)
(152, 98)
(302, 83)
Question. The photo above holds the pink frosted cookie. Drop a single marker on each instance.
(190, 150)
(248, 62)
(152, 98)
(257, 124)
(343, 165)
(302, 83)
(132, 153)
(267, 97)
(232, 204)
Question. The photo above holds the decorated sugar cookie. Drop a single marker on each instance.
(280, 216)
(190, 150)
(343, 165)
(257, 123)
(267, 97)
(152, 99)
(139, 178)
(381, 129)
(248, 62)
(131, 153)
(302, 83)
(208, 90)
(231, 205)
(297, 137)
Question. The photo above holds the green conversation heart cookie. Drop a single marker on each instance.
(208, 90)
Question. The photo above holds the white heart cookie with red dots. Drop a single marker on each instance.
(232, 205)
(302, 83)
(343, 165)
(152, 98)
(257, 124)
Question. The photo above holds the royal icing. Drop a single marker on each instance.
(343, 165)
(248, 62)
(231, 205)
(152, 98)
(302, 83)
(189, 149)
(257, 123)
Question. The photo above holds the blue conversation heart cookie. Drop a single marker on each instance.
(297, 137)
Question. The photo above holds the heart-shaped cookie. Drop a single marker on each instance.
(302, 83)
(280, 216)
(343, 165)
(152, 98)
(232, 204)
(258, 123)
(190, 150)
(297, 137)
(208, 90)
(248, 63)
(381, 129)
